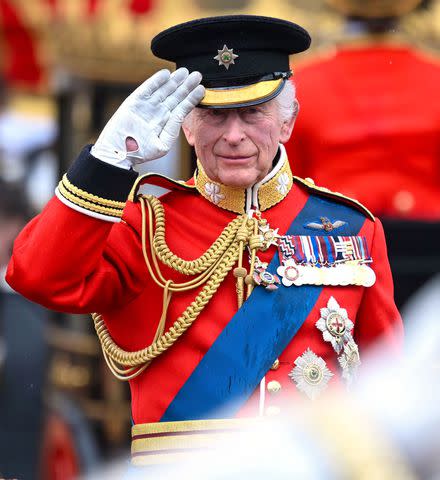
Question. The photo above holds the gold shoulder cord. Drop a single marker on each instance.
(212, 267)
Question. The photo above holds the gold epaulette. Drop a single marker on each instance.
(158, 180)
(325, 192)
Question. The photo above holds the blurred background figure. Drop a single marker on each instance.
(27, 138)
(23, 354)
(369, 126)
(370, 107)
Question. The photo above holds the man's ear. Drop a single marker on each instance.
(187, 130)
(287, 127)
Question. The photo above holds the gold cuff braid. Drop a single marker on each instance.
(89, 201)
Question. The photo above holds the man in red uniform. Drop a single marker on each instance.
(240, 289)
(373, 131)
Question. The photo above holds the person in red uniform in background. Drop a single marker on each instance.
(370, 116)
(239, 290)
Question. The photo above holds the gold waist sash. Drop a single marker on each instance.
(170, 442)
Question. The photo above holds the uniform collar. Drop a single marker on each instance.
(261, 196)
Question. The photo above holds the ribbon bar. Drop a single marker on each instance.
(323, 250)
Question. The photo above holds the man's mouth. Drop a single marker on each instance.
(234, 158)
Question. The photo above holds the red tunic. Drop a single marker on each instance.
(369, 127)
(72, 262)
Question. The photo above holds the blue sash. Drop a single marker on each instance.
(257, 334)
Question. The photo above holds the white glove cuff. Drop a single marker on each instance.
(115, 158)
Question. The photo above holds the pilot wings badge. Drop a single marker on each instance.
(326, 224)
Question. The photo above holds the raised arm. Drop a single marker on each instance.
(78, 255)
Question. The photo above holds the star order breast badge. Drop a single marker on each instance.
(226, 57)
(335, 325)
(311, 374)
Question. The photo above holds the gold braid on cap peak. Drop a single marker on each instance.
(211, 267)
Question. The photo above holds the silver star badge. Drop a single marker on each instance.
(226, 57)
(335, 325)
(311, 374)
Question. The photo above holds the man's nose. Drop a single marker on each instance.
(233, 130)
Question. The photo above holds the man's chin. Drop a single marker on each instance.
(238, 181)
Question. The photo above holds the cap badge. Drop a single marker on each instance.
(226, 57)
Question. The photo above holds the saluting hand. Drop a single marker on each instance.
(148, 122)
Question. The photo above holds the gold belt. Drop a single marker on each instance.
(169, 442)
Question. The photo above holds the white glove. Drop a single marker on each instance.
(152, 115)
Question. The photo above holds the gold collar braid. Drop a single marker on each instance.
(263, 195)
(210, 269)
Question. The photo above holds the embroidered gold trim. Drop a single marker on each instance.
(228, 198)
(89, 196)
(164, 442)
(276, 188)
(114, 212)
(270, 192)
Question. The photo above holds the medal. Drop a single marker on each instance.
(270, 236)
(264, 278)
(316, 260)
(289, 273)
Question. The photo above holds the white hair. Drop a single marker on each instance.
(286, 101)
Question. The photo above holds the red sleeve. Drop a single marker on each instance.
(378, 318)
(71, 262)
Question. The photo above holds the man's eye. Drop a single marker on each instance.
(215, 114)
(251, 111)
